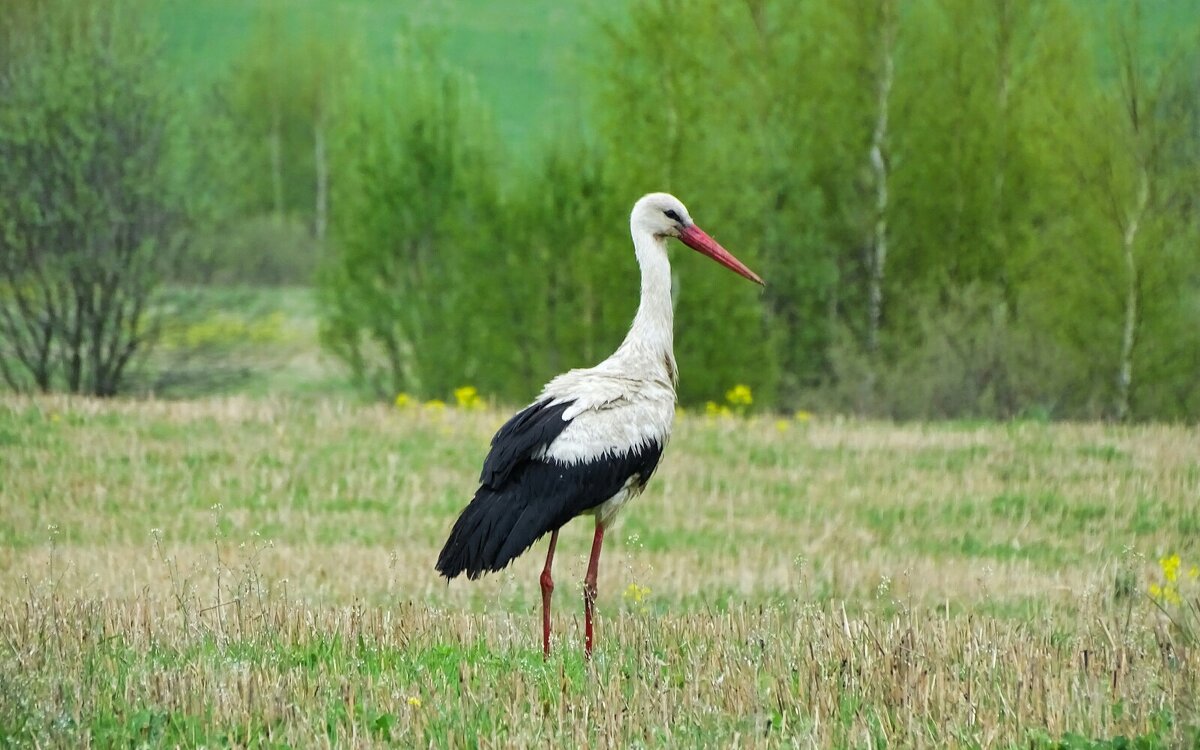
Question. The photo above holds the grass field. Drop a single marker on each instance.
(258, 572)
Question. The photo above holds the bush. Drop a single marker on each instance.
(213, 339)
(261, 250)
(93, 208)
(969, 359)
(415, 233)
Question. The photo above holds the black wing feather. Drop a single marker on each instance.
(529, 430)
(521, 498)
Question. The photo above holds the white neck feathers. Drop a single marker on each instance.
(651, 334)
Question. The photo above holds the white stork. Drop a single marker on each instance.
(591, 440)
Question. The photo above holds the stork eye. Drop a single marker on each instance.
(672, 215)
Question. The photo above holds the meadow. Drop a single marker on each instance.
(256, 571)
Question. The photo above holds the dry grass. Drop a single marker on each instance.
(255, 572)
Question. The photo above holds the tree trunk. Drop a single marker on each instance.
(320, 161)
(879, 168)
(1004, 219)
(1130, 328)
(275, 147)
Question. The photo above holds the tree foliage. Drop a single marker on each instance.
(928, 188)
(93, 209)
(444, 273)
(284, 92)
(415, 224)
(994, 155)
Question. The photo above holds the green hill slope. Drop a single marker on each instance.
(515, 51)
(522, 55)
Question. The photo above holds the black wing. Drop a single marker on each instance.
(527, 432)
(520, 497)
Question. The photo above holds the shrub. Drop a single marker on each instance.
(413, 232)
(260, 250)
(93, 209)
(968, 358)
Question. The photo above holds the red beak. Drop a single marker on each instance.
(698, 240)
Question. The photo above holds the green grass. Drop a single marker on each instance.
(258, 571)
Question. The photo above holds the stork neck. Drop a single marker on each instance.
(652, 329)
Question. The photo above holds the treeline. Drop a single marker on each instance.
(961, 207)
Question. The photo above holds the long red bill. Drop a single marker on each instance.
(698, 240)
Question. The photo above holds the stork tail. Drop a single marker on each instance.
(489, 534)
(537, 497)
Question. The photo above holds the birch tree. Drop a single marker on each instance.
(1116, 290)
(284, 91)
(884, 75)
(1140, 146)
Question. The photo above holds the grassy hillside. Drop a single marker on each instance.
(251, 572)
(515, 51)
(524, 56)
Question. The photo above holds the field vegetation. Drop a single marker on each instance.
(260, 572)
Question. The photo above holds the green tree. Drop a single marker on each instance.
(846, 97)
(415, 228)
(717, 115)
(1139, 177)
(1111, 285)
(93, 208)
(566, 248)
(980, 209)
(972, 133)
(284, 93)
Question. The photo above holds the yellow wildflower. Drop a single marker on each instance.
(636, 593)
(803, 416)
(739, 395)
(1167, 594)
(1194, 572)
(414, 701)
(403, 400)
(1170, 567)
(467, 397)
(781, 425)
(713, 409)
(435, 404)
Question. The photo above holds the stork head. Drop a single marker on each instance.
(664, 215)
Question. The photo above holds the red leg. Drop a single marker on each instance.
(547, 592)
(589, 589)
